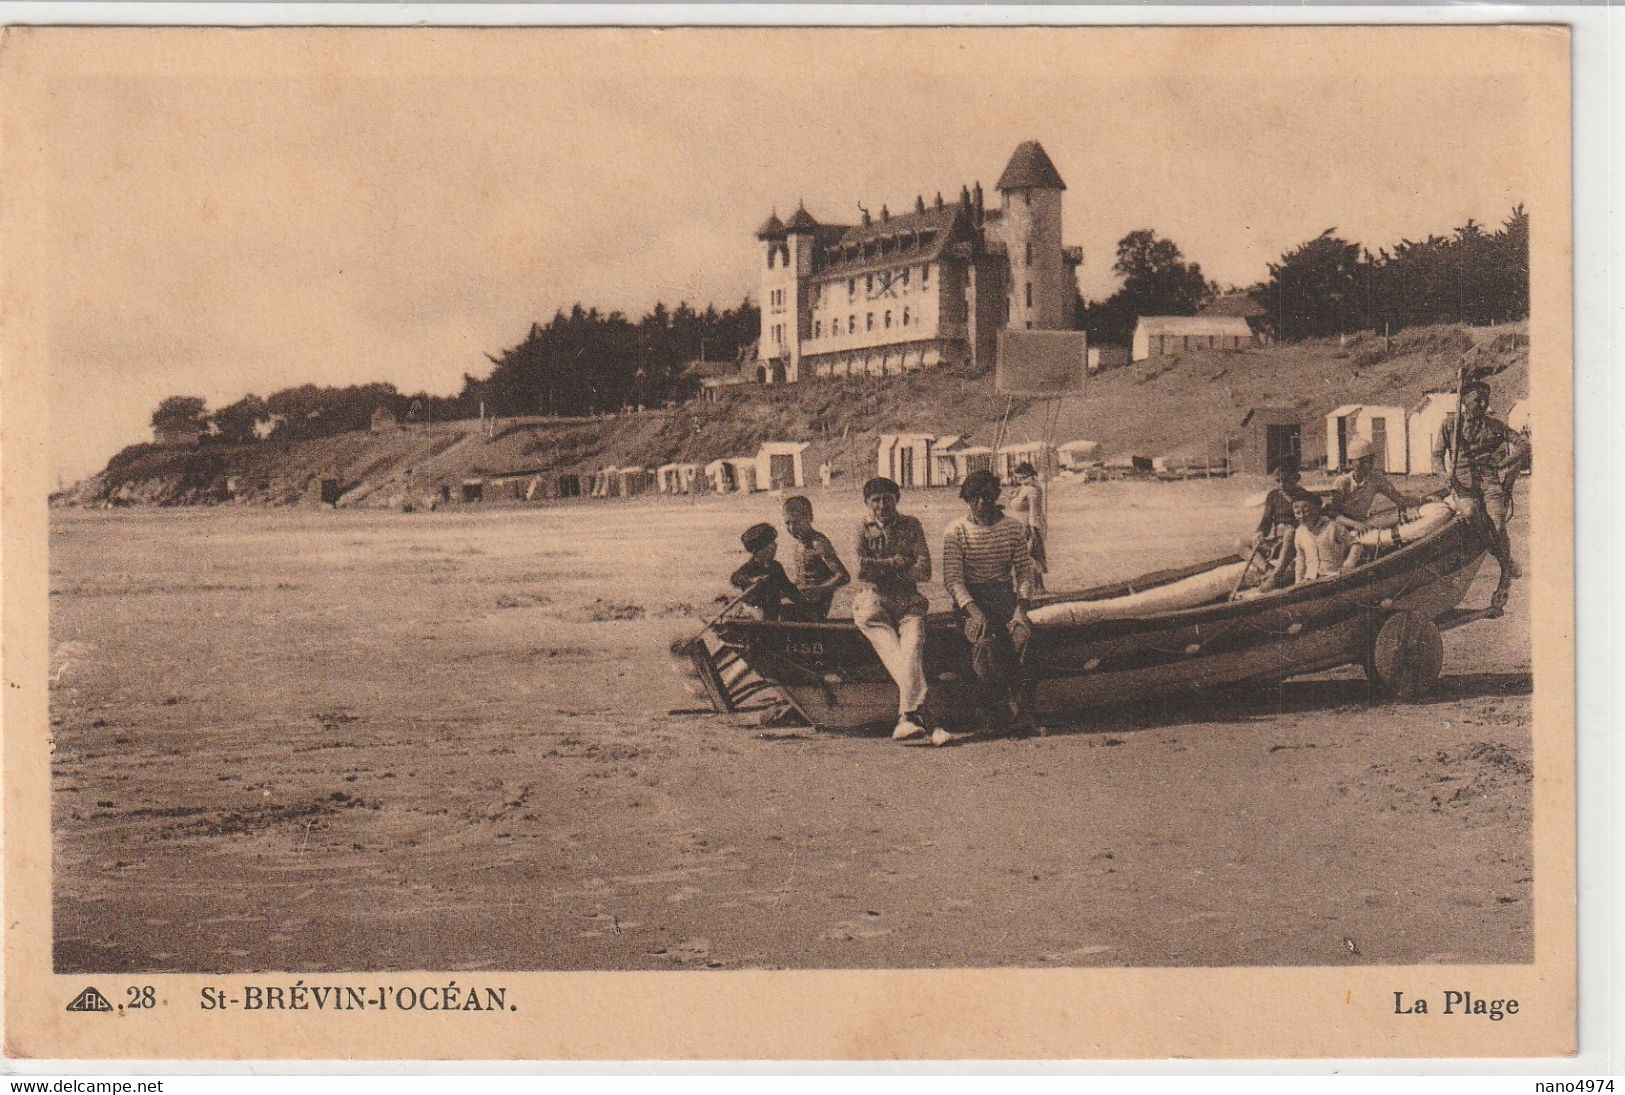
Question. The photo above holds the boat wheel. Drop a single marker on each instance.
(1405, 656)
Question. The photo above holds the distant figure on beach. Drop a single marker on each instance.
(825, 474)
(817, 571)
(990, 575)
(768, 590)
(893, 559)
(1485, 471)
(1357, 491)
(1029, 506)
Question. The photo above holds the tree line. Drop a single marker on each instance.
(580, 362)
(1330, 285)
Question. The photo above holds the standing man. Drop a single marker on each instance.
(1354, 493)
(1484, 468)
(1029, 506)
(825, 474)
(890, 609)
(989, 572)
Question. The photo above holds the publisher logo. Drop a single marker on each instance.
(89, 1000)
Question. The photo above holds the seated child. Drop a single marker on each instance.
(1323, 547)
(819, 571)
(1274, 538)
(766, 586)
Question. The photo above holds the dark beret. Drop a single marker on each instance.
(758, 536)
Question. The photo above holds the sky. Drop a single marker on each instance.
(233, 211)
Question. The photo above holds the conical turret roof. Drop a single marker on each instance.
(771, 229)
(1030, 169)
(802, 222)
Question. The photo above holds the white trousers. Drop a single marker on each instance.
(899, 640)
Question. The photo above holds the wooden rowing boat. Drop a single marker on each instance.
(1386, 615)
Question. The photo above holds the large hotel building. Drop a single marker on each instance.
(913, 290)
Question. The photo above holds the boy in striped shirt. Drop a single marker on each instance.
(988, 568)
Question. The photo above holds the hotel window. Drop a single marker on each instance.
(869, 322)
(905, 316)
(834, 326)
(1029, 252)
(851, 287)
(888, 319)
(868, 283)
(925, 275)
(1029, 294)
(818, 328)
(904, 277)
(851, 325)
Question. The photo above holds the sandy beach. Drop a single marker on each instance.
(318, 741)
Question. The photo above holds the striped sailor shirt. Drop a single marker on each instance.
(974, 554)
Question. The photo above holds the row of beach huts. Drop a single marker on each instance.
(1406, 440)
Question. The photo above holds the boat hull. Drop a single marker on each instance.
(831, 674)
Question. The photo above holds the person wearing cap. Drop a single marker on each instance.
(817, 570)
(1356, 492)
(1027, 505)
(989, 572)
(767, 587)
(1484, 469)
(890, 609)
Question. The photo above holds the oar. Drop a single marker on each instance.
(1242, 577)
(684, 644)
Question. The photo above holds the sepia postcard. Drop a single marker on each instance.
(787, 543)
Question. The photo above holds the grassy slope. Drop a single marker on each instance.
(1186, 404)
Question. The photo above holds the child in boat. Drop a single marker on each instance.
(1273, 541)
(767, 587)
(1323, 547)
(819, 571)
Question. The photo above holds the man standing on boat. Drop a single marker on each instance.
(988, 568)
(890, 609)
(1483, 455)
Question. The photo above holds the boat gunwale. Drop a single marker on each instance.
(1413, 555)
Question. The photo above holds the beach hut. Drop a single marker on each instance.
(905, 458)
(473, 490)
(944, 466)
(1269, 435)
(633, 480)
(1428, 421)
(323, 491)
(1078, 455)
(678, 478)
(1383, 426)
(778, 465)
(606, 481)
(719, 477)
(744, 472)
(1040, 454)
